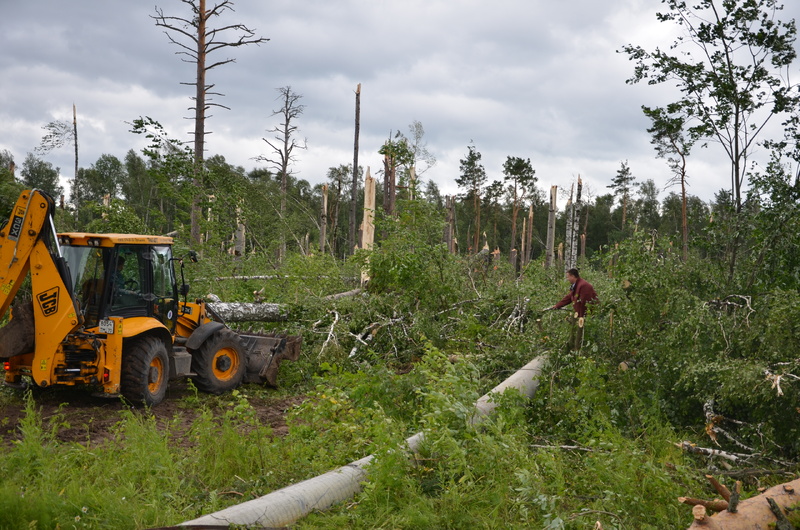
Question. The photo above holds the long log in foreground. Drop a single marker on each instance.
(286, 506)
(754, 512)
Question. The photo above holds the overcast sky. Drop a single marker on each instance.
(535, 79)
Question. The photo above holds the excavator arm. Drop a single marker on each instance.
(29, 244)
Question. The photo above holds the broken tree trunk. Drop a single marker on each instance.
(323, 219)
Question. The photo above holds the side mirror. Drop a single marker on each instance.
(184, 289)
(193, 256)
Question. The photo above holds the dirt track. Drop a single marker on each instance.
(90, 420)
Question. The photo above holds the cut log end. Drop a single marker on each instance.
(18, 336)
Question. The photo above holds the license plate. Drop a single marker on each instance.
(107, 326)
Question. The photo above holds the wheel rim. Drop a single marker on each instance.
(225, 364)
(155, 375)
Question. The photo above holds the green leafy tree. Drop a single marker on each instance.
(732, 68)
(9, 187)
(397, 156)
(648, 215)
(622, 184)
(36, 173)
(171, 177)
(672, 217)
(519, 175)
(673, 142)
(103, 179)
(472, 180)
(492, 198)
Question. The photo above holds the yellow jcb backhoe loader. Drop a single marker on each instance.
(105, 312)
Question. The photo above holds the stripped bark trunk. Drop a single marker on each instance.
(368, 225)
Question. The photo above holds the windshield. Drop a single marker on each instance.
(87, 269)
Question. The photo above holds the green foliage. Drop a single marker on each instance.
(737, 81)
(411, 260)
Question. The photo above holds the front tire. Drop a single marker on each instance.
(145, 371)
(219, 364)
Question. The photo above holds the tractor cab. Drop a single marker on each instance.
(122, 275)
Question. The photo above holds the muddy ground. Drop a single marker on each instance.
(90, 420)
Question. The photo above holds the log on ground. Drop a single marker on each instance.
(754, 512)
(244, 312)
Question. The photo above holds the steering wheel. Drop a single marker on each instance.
(132, 285)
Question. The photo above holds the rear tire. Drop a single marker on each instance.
(219, 364)
(145, 371)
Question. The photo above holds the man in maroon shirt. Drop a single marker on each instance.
(580, 293)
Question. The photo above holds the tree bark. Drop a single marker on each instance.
(244, 312)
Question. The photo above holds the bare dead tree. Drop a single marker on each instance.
(283, 146)
(196, 41)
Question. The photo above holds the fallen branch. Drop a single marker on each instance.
(331, 336)
(345, 294)
(716, 505)
(720, 488)
(689, 447)
(564, 447)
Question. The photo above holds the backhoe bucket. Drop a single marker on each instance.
(264, 354)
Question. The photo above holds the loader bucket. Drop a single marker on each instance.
(264, 354)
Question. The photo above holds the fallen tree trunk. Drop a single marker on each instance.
(754, 512)
(285, 506)
(244, 312)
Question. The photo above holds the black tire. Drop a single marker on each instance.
(219, 364)
(145, 371)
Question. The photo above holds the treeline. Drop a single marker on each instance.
(152, 193)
